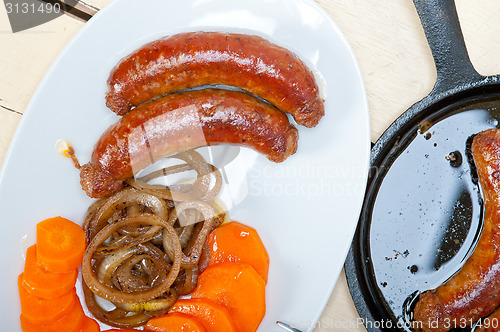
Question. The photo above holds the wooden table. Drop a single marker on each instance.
(387, 40)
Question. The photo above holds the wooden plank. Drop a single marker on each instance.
(27, 55)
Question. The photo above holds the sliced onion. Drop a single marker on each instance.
(131, 277)
(208, 213)
(115, 317)
(128, 241)
(119, 201)
(185, 234)
(136, 260)
(112, 294)
(109, 264)
(199, 190)
(161, 303)
(187, 281)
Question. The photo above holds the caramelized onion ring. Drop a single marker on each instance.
(200, 190)
(135, 258)
(124, 198)
(112, 294)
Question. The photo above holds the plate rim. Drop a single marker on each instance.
(359, 79)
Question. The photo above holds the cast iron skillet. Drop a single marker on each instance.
(422, 212)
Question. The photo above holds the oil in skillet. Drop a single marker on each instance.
(427, 215)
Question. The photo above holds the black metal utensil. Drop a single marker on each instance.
(75, 8)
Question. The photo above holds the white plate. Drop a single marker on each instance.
(305, 209)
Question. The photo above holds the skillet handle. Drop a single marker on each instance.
(442, 29)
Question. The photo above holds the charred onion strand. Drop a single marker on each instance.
(186, 282)
(161, 303)
(208, 212)
(200, 190)
(116, 317)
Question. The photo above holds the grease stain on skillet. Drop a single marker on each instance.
(427, 215)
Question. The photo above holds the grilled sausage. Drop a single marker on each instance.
(195, 59)
(474, 291)
(182, 121)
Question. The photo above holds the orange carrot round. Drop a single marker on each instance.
(239, 288)
(174, 322)
(41, 311)
(90, 325)
(214, 317)
(60, 244)
(42, 283)
(235, 242)
(72, 322)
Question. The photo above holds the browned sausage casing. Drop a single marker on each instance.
(183, 121)
(474, 291)
(195, 59)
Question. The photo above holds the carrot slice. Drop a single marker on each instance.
(72, 322)
(90, 325)
(237, 287)
(48, 285)
(174, 322)
(214, 317)
(60, 243)
(41, 311)
(235, 242)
